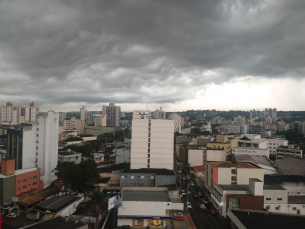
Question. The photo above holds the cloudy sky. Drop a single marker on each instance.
(176, 54)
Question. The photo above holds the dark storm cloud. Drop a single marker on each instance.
(144, 51)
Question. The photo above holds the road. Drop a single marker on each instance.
(202, 219)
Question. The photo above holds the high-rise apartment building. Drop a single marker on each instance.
(83, 113)
(159, 114)
(13, 115)
(113, 114)
(152, 142)
(35, 145)
(177, 122)
(240, 120)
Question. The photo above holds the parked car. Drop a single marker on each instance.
(180, 213)
(212, 211)
(11, 215)
(189, 205)
(200, 194)
(180, 171)
(202, 206)
(182, 192)
(183, 178)
(178, 217)
(192, 183)
(205, 200)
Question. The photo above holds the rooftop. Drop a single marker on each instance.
(65, 153)
(153, 196)
(155, 171)
(234, 187)
(56, 222)
(273, 187)
(291, 166)
(279, 179)
(117, 167)
(200, 168)
(21, 171)
(104, 180)
(55, 203)
(260, 161)
(259, 219)
(229, 164)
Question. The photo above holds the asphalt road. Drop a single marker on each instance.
(202, 219)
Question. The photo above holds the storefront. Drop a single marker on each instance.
(136, 221)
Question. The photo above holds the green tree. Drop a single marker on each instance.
(195, 130)
(64, 171)
(97, 198)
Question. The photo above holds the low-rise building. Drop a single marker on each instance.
(291, 166)
(250, 151)
(288, 151)
(135, 212)
(223, 142)
(69, 156)
(147, 177)
(260, 161)
(122, 155)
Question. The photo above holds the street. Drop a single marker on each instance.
(202, 218)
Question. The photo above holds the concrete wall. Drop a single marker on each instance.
(138, 181)
(122, 155)
(294, 188)
(244, 174)
(195, 157)
(274, 195)
(250, 151)
(165, 180)
(29, 148)
(286, 208)
(224, 176)
(216, 155)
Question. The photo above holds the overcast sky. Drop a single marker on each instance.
(176, 54)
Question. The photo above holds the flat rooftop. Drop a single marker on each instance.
(142, 195)
(155, 171)
(229, 164)
(234, 187)
(273, 187)
(254, 220)
(279, 179)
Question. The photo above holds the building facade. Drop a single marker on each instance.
(152, 143)
(177, 122)
(113, 114)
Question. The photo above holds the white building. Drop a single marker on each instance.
(122, 155)
(152, 142)
(113, 114)
(177, 121)
(69, 156)
(274, 143)
(146, 206)
(83, 113)
(250, 151)
(232, 129)
(36, 145)
(13, 115)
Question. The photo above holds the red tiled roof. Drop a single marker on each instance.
(200, 168)
(229, 164)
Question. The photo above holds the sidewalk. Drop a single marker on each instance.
(186, 224)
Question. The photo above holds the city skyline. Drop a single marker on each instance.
(180, 55)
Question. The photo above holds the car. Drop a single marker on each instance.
(189, 205)
(200, 194)
(212, 211)
(188, 177)
(195, 195)
(180, 171)
(183, 193)
(192, 183)
(178, 217)
(80, 194)
(180, 213)
(202, 206)
(11, 215)
(183, 178)
(205, 201)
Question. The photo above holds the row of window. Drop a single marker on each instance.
(25, 186)
(279, 199)
(25, 180)
(133, 177)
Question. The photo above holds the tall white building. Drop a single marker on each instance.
(177, 122)
(113, 114)
(83, 113)
(36, 145)
(152, 142)
(13, 115)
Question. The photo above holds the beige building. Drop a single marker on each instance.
(223, 142)
(13, 115)
(227, 173)
(101, 120)
(74, 124)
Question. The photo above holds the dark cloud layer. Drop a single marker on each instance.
(144, 51)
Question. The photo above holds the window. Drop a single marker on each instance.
(122, 177)
(142, 177)
(294, 208)
(34, 183)
(24, 180)
(148, 155)
(268, 198)
(131, 177)
(18, 189)
(24, 186)
(234, 203)
(34, 177)
(148, 160)
(36, 147)
(234, 171)
(18, 182)
(233, 178)
(37, 135)
(36, 141)
(279, 199)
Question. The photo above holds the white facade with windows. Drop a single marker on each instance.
(177, 122)
(152, 142)
(273, 143)
(250, 151)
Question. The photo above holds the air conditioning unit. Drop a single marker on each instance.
(268, 207)
(277, 208)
